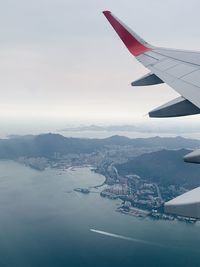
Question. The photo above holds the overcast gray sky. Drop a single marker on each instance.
(61, 61)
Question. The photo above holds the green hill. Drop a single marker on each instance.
(164, 167)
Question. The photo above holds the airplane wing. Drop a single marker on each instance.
(187, 204)
(179, 69)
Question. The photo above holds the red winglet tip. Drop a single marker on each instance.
(106, 12)
(131, 42)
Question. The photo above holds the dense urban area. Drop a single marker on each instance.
(143, 173)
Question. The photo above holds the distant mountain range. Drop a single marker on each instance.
(138, 127)
(45, 145)
(164, 167)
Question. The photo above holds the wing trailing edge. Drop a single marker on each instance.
(148, 79)
(187, 205)
(176, 108)
(193, 157)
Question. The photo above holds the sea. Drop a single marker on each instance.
(45, 223)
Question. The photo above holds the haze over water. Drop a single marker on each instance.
(43, 222)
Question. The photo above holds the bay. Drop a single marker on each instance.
(43, 222)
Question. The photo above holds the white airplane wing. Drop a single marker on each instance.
(181, 71)
(178, 68)
(186, 204)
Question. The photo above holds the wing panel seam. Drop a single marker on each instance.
(177, 59)
(175, 78)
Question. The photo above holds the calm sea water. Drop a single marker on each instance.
(43, 222)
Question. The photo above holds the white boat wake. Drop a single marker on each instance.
(124, 237)
(141, 241)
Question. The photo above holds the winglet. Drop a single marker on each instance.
(132, 41)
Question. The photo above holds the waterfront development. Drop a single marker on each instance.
(44, 222)
(126, 164)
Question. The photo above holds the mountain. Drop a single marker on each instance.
(45, 145)
(138, 127)
(164, 167)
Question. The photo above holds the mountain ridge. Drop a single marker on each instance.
(45, 145)
(164, 167)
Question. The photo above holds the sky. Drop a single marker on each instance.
(61, 63)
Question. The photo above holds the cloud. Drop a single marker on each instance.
(61, 57)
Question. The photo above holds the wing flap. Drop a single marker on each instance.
(148, 79)
(175, 108)
(187, 204)
(193, 157)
